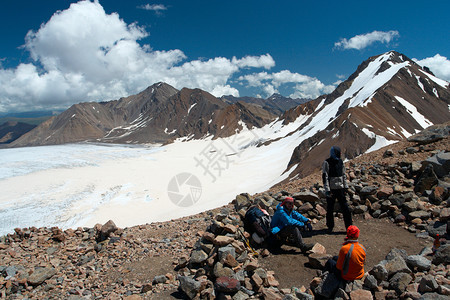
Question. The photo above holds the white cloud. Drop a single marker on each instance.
(84, 54)
(305, 86)
(438, 64)
(364, 40)
(157, 8)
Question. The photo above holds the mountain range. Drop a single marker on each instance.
(388, 98)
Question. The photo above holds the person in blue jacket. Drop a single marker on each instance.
(286, 224)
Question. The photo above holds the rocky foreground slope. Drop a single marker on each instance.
(204, 256)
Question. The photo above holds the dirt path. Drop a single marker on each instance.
(378, 236)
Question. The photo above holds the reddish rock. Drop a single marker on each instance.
(227, 284)
(384, 192)
(222, 240)
(230, 261)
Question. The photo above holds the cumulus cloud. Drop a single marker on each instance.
(84, 54)
(438, 64)
(362, 41)
(305, 86)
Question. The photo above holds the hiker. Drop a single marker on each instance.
(286, 224)
(335, 184)
(349, 265)
(257, 223)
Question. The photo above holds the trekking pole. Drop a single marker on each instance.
(247, 243)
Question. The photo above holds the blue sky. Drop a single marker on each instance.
(57, 53)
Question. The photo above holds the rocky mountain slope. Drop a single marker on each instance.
(387, 99)
(276, 104)
(10, 131)
(159, 114)
(205, 257)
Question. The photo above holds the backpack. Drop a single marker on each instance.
(254, 214)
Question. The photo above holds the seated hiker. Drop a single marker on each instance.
(287, 223)
(257, 223)
(350, 263)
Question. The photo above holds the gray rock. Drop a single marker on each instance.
(328, 287)
(427, 180)
(428, 284)
(306, 196)
(396, 265)
(426, 251)
(189, 286)
(399, 282)
(368, 190)
(318, 260)
(397, 199)
(419, 262)
(442, 255)
(224, 251)
(198, 257)
(379, 272)
(305, 208)
(437, 227)
(159, 279)
(9, 272)
(410, 206)
(261, 273)
(240, 275)
(221, 271)
(40, 275)
(370, 282)
(303, 296)
(433, 296)
(431, 134)
(421, 214)
(396, 253)
(341, 294)
(440, 163)
(240, 295)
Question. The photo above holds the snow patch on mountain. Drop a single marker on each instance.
(421, 119)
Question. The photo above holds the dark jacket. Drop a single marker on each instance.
(333, 171)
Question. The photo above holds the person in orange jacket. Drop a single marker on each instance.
(350, 262)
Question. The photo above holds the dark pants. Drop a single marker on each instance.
(338, 194)
(330, 266)
(291, 236)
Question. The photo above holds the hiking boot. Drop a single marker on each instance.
(305, 247)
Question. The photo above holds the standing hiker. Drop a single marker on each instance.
(335, 184)
(286, 224)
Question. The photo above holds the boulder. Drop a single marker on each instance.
(189, 286)
(428, 284)
(427, 180)
(440, 163)
(418, 262)
(318, 260)
(106, 230)
(397, 265)
(40, 275)
(361, 295)
(306, 196)
(442, 255)
(328, 287)
(227, 285)
(399, 282)
(198, 257)
(431, 134)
